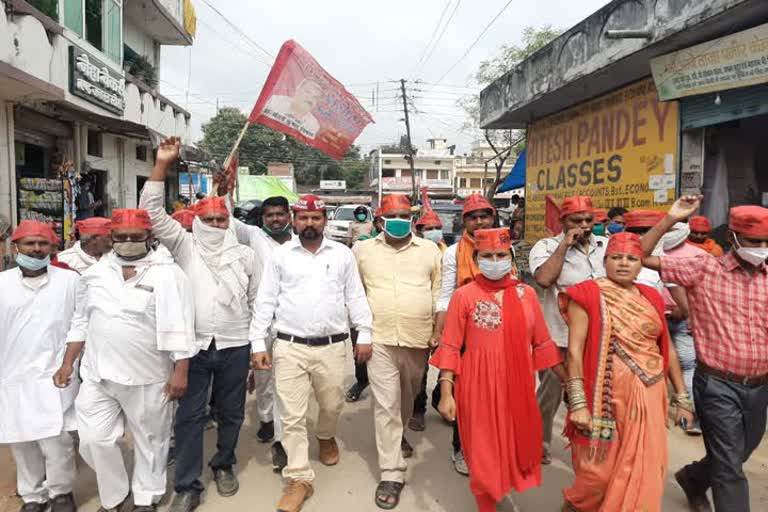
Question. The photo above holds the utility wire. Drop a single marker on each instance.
(237, 29)
(432, 37)
(440, 37)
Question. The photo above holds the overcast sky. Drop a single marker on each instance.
(362, 43)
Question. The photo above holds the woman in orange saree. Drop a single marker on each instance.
(618, 357)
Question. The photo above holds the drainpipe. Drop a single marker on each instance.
(121, 185)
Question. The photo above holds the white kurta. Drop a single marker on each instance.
(32, 344)
(77, 258)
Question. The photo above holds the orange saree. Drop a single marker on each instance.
(621, 464)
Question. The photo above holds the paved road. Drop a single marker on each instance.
(432, 484)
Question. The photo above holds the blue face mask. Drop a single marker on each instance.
(30, 263)
(614, 228)
(397, 228)
(434, 235)
(495, 270)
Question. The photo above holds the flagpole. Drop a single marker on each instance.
(232, 155)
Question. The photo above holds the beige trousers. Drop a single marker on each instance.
(298, 370)
(395, 374)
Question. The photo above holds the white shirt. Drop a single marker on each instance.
(35, 316)
(77, 258)
(122, 323)
(229, 326)
(305, 294)
(577, 267)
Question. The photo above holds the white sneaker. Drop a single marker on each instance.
(459, 463)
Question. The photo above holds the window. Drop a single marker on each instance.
(100, 22)
(48, 7)
(388, 173)
(432, 174)
(405, 173)
(438, 162)
(94, 143)
(141, 153)
(476, 183)
(387, 161)
(443, 174)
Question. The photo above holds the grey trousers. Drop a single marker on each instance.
(733, 419)
(549, 395)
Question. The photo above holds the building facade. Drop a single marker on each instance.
(473, 176)
(390, 170)
(79, 102)
(640, 102)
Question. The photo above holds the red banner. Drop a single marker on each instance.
(302, 100)
(552, 216)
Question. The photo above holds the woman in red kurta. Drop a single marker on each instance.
(494, 341)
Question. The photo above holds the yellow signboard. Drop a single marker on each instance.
(620, 149)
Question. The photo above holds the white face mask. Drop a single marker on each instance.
(753, 255)
(495, 270)
(435, 235)
(675, 236)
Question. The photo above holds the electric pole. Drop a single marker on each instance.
(410, 145)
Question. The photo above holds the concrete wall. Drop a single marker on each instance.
(584, 63)
(141, 43)
(7, 163)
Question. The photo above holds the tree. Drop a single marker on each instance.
(506, 144)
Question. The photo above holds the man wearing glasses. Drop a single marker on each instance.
(573, 256)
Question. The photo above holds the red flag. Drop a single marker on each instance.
(426, 203)
(552, 216)
(231, 172)
(304, 101)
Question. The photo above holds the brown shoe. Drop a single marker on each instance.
(329, 451)
(296, 492)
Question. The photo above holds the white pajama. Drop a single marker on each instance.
(44, 468)
(102, 410)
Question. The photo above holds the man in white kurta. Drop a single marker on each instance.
(94, 242)
(136, 316)
(36, 306)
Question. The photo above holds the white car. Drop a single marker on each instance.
(338, 224)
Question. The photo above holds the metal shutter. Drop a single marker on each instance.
(700, 111)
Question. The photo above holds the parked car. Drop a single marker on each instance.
(249, 212)
(453, 223)
(338, 225)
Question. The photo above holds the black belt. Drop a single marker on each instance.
(313, 342)
(760, 380)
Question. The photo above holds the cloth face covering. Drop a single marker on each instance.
(495, 270)
(33, 264)
(397, 228)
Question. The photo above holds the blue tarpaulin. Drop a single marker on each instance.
(516, 177)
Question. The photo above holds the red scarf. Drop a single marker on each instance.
(526, 417)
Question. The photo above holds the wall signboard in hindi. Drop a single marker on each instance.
(737, 60)
(95, 82)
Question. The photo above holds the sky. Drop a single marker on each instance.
(368, 46)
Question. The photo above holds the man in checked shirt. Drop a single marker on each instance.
(728, 301)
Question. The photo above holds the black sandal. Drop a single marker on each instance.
(388, 490)
(354, 392)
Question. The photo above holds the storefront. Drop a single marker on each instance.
(723, 95)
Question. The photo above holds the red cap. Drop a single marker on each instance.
(496, 239)
(600, 215)
(430, 218)
(95, 226)
(184, 217)
(642, 218)
(624, 243)
(127, 218)
(309, 203)
(575, 204)
(211, 205)
(700, 224)
(32, 228)
(394, 202)
(475, 202)
(749, 220)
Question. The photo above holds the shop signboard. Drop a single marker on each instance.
(620, 149)
(95, 82)
(333, 185)
(737, 60)
(398, 184)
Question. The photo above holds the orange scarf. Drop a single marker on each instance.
(466, 268)
(710, 246)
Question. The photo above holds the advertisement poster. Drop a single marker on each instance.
(612, 148)
(302, 100)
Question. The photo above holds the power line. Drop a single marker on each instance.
(432, 37)
(474, 43)
(237, 29)
(440, 37)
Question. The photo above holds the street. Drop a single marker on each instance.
(432, 486)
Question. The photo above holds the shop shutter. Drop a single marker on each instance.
(700, 111)
(73, 15)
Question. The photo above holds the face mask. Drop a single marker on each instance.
(361, 217)
(434, 235)
(130, 251)
(753, 255)
(614, 228)
(598, 229)
(274, 234)
(32, 264)
(676, 236)
(495, 270)
(397, 228)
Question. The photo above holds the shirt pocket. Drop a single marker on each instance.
(137, 302)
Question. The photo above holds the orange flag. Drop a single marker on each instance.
(552, 216)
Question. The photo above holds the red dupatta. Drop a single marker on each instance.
(597, 361)
(521, 384)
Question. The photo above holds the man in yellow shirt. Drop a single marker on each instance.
(401, 276)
